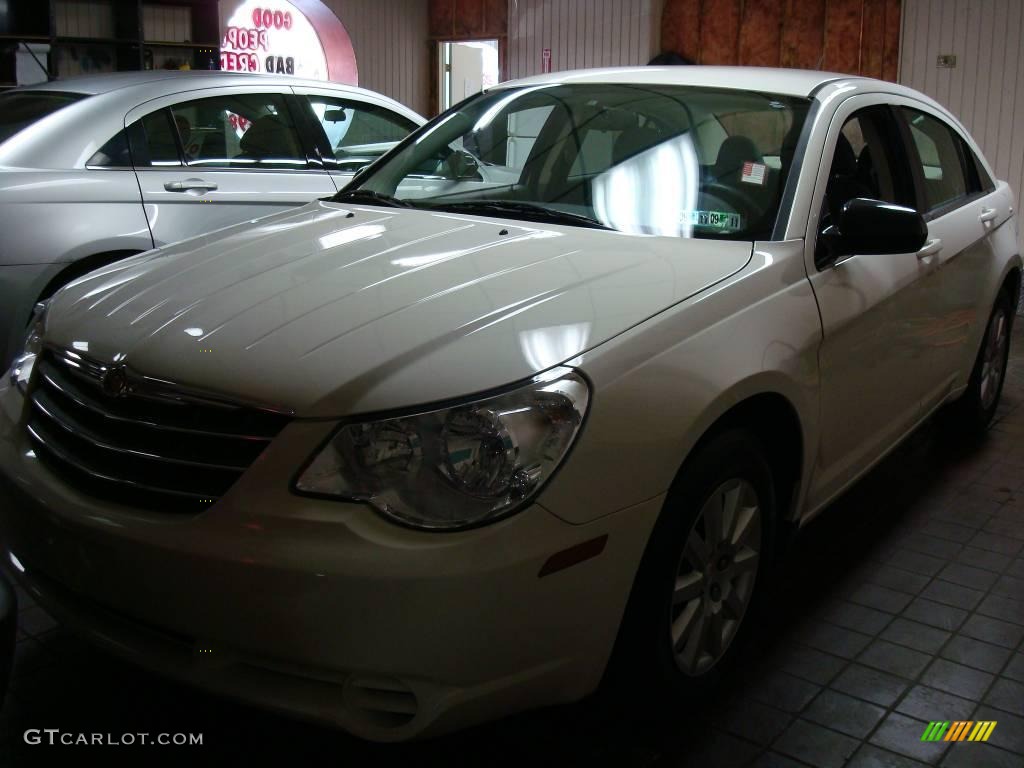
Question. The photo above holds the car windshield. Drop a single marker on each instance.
(665, 160)
(20, 109)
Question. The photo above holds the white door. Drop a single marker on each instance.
(208, 159)
(876, 311)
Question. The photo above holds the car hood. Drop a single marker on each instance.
(330, 310)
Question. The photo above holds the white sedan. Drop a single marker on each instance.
(540, 392)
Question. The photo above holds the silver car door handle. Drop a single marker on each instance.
(190, 184)
(931, 248)
(988, 214)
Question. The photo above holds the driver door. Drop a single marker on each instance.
(876, 310)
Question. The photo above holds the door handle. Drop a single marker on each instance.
(189, 185)
(931, 248)
(987, 215)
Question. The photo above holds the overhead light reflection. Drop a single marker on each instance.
(545, 347)
(651, 192)
(362, 232)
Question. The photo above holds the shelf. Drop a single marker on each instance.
(25, 38)
(165, 44)
(95, 41)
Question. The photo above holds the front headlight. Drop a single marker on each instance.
(455, 467)
(25, 358)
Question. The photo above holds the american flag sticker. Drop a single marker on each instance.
(753, 173)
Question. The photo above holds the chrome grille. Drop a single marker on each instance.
(153, 446)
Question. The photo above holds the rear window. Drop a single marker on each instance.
(20, 109)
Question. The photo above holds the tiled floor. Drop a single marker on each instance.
(903, 603)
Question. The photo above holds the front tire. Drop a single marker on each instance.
(703, 572)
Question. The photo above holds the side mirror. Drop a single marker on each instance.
(462, 166)
(870, 227)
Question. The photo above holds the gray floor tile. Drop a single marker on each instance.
(1015, 669)
(915, 635)
(957, 679)
(981, 558)
(917, 562)
(896, 659)
(1007, 695)
(1009, 731)
(968, 576)
(935, 614)
(993, 631)
(870, 756)
(928, 704)
(975, 653)
(854, 616)
(784, 691)
(1004, 608)
(901, 734)
(953, 594)
(833, 639)
(969, 755)
(843, 713)
(816, 745)
(870, 684)
(754, 721)
(811, 664)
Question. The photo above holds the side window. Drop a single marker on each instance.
(939, 155)
(865, 163)
(238, 131)
(153, 141)
(358, 133)
(978, 180)
(113, 154)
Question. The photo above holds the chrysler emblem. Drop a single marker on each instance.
(115, 382)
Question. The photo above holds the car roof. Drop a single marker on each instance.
(172, 80)
(790, 82)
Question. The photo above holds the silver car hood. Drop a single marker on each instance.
(330, 310)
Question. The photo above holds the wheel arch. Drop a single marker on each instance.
(75, 269)
(774, 421)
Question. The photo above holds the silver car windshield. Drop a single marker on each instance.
(672, 161)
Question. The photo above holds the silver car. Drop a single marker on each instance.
(99, 168)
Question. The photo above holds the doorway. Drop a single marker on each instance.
(466, 68)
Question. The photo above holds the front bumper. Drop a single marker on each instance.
(319, 608)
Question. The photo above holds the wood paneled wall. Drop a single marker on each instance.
(581, 34)
(849, 36)
(468, 19)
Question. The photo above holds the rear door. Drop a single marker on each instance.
(208, 159)
(957, 198)
(350, 132)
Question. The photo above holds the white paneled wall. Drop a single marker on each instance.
(390, 41)
(77, 18)
(581, 33)
(986, 88)
(168, 24)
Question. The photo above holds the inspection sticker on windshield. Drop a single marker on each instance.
(753, 173)
(714, 219)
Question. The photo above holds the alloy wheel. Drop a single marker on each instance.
(993, 359)
(715, 578)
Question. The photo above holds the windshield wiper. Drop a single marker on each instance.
(517, 209)
(371, 197)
